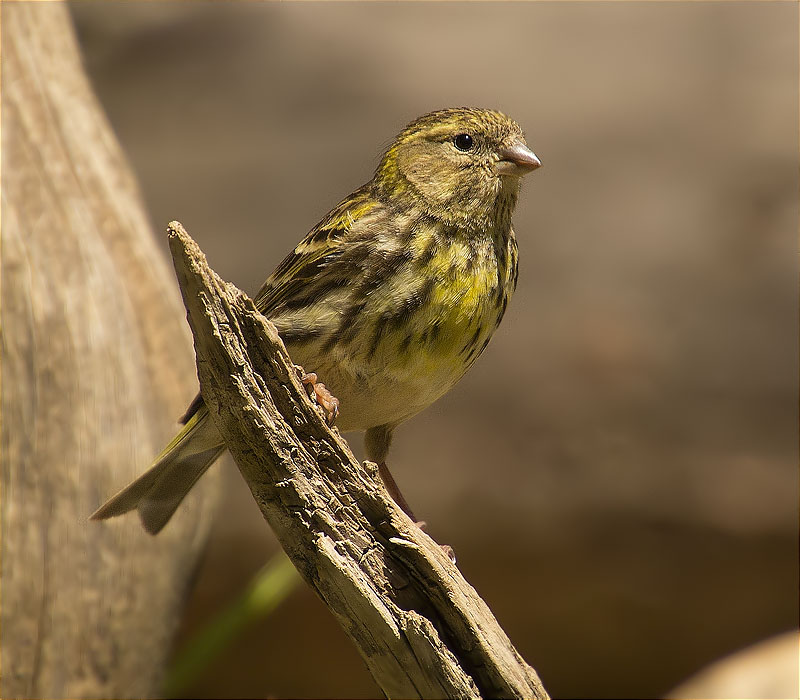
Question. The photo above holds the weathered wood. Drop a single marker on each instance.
(97, 366)
(421, 628)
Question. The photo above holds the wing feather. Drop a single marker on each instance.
(322, 246)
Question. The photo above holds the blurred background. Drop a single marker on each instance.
(618, 473)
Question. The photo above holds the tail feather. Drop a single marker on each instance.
(159, 491)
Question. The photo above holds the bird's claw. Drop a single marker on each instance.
(449, 551)
(446, 548)
(323, 397)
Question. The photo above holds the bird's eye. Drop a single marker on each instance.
(463, 142)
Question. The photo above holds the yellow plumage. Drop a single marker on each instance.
(390, 298)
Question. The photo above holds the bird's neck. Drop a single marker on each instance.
(492, 216)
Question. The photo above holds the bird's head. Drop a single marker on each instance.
(458, 164)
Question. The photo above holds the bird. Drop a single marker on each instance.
(389, 299)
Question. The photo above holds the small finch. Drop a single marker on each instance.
(388, 300)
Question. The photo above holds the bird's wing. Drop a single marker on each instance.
(319, 248)
(294, 279)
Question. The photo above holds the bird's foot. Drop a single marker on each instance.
(322, 396)
(446, 548)
(399, 499)
(449, 551)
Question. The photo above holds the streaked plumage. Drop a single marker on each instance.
(391, 297)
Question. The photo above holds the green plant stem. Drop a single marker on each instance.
(270, 586)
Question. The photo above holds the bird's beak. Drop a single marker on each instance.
(516, 160)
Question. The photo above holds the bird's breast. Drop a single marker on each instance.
(441, 313)
(416, 334)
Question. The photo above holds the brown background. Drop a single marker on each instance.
(618, 473)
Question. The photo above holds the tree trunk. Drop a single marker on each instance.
(97, 366)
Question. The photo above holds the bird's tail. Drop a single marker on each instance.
(159, 491)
